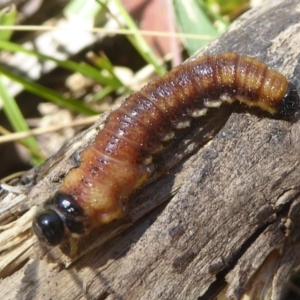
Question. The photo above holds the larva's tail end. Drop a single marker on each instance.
(289, 104)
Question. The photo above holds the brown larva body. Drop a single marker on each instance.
(119, 160)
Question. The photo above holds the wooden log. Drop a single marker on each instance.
(222, 221)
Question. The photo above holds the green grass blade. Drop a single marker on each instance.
(192, 19)
(138, 40)
(101, 94)
(18, 122)
(225, 6)
(49, 94)
(83, 68)
(7, 17)
(87, 11)
(103, 63)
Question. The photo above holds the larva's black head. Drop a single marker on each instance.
(289, 104)
(48, 227)
(61, 215)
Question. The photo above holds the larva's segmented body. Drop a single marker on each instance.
(119, 160)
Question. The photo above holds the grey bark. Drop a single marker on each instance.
(223, 220)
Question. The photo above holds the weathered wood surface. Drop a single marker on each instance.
(233, 221)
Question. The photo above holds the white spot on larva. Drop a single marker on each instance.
(227, 98)
(150, 169)
(148, 161)
(75, 235)
(199, 113)
(183, 124)
(168, 136)
(214, 103)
